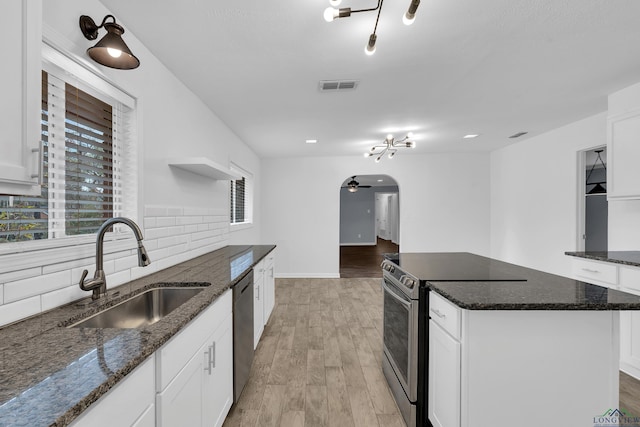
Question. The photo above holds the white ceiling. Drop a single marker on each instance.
(493, 67)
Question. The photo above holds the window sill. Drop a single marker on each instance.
(240, 226)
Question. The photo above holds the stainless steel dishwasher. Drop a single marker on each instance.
(242, 333)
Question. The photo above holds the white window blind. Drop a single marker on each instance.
(88, 145)
(241, 197)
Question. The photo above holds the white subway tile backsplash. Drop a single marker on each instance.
(15, 311)
(155, 211)
(40, 280)
(149, 222)
(62, 296)
(20, 274)
(21, 289)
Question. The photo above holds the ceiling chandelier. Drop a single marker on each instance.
(332, 13)
(389, 147)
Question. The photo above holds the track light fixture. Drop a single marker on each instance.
(331, 13)
(111, 50)
(390, 146)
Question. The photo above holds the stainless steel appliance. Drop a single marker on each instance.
(242, 333)
(406, 319)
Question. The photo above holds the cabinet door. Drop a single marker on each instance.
(20, 43)
(269, 291)
(182, 402)
(444, 378)
(218, 383)
(623, 152)
(258, 309)
(133, 397)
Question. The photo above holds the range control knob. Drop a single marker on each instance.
(390, 268)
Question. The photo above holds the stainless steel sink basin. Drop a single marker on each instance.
(141, 310)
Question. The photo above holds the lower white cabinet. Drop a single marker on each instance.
(444, 377)
(498, 368)
(195, 370)
(129, 403)
(630, 323)
(269, 285)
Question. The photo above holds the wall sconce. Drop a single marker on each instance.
(111, 50)
(332, 13)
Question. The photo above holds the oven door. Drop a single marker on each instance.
(400, 336)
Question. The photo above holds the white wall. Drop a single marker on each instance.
(534, 187)
(183, 215)
(444, 206)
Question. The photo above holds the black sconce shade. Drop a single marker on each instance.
(111, 50)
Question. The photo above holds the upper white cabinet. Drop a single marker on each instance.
(20, 43)
(623, 152)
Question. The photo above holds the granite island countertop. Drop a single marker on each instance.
(50, 373)
(631, 258)
(475, 282)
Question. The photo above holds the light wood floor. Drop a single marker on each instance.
(319, 360)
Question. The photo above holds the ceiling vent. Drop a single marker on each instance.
(518, 135)
(337, 85)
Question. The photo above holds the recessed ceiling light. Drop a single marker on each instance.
(311, 141)
(380, 180)
(471, 135)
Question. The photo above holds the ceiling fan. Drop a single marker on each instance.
(353, 185)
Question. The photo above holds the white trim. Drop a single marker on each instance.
(359, 244)
(307, 275)
(240, 226)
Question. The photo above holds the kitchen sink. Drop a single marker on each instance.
(140, 310)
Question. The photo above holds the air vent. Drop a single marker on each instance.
(518, 135)
(337, 85)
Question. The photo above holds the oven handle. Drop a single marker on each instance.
(396, 296)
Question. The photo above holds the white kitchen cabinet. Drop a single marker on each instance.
(20, 43)
(129, 403)
(269, 286)
(630, 323)
(596, 272)
(507, 364)
(194, 372)
(444, 377)
(623, 152)
(258, 302)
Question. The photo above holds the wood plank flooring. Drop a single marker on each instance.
(318, 362)
(364, 261)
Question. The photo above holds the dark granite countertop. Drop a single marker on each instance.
(49, 373)
(618, 257)
(503, 286)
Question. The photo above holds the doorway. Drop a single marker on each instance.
(593, 206)
(369, 224)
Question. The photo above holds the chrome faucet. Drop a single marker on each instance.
(99, 282)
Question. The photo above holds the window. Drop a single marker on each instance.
(85, 134)
(241, 192)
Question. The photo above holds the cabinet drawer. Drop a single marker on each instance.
(175, 354)
(258, 271)
(598, 272)
(630, 279)
(445, 314)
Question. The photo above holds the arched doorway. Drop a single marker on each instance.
(369, 224)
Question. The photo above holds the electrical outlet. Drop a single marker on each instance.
(359, 236)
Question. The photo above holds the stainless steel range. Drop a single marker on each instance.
(406, 319)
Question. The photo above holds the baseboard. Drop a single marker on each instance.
(630, 370)
(359, 244)
(307, 276)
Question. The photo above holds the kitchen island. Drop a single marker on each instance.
(51, 374)
(518, 348)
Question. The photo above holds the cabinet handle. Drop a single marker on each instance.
(258, 293)
(208, 365)
(438, 313)
(588, 270)
(40, 151)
